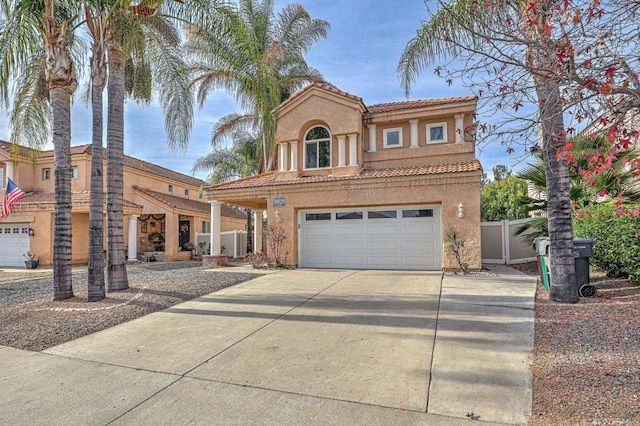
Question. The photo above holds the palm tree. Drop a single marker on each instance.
(95, 278)
(141, 44)
(613, 184)
(239, 160)
(28, 28)
(258, 57)
(467, 24)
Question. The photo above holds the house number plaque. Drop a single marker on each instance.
(279, 202)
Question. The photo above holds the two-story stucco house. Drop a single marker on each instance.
(156, 200)
(372, 187)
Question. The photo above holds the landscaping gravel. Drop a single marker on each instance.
(586, 358)
(29, 319)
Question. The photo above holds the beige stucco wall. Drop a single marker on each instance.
(418, 190)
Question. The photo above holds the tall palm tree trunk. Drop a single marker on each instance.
(61, 81)
(95, 278)
(116, 270)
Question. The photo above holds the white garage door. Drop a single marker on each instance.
(14, 242)
(396, 237)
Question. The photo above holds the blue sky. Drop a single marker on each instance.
(359, 56)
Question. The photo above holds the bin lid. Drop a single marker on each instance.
(585, 240)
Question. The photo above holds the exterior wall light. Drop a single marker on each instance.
(460, 210)
(278, 218)
(32, 232)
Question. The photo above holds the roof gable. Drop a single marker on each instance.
(323, 90)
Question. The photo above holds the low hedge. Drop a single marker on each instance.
(617, 250)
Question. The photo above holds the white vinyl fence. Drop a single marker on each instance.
(233, 243)
(501, 245)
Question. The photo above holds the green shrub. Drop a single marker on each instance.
(617, 250)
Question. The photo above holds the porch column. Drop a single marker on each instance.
(257, 241)
(341, 151)
(294, 156)
(9, 169)
(133, 238)
(372, 137)
(283, 157)
(216, 215)
(414, 133)
(353, 150)
(459, 127)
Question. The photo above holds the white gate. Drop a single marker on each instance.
(501, 245)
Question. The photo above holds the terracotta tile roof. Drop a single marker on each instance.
(420, 103)
(23, 151)
(324, 86)
(128, 161)
(176, 202)
(77, 198)
(266, 179)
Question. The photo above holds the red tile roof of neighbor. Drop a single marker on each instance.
(77, 198)
(266, 179)
(383, 107)
(128, 161)
(191, 205)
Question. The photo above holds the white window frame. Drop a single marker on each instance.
(385, 132)
(306, 142)
(74, 172)
(46, 173)
(444, 132)
(186, 192)
(170, 188)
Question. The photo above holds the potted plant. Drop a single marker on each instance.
(157, 239)
(32, 260)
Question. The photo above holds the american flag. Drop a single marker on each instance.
(12, 196)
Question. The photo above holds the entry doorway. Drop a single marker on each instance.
(184, 233)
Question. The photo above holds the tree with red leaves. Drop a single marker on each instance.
(533, 65)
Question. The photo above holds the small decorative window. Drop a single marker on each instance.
(170, 189)
(392, 137)
(383, 214)
(348, 215)
(206, 226)
(186, 192)
(436, 133)
(46, 174)
(317, 148)
(74, 172)
(417, 213)
(317, 216)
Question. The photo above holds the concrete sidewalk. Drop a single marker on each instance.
(296, 347)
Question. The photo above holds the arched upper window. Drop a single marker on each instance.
(317, 148)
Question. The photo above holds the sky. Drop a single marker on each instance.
(360, 56)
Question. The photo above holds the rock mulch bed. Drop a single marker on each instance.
(586, 358)
(29, 319)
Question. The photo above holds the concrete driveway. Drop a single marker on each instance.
(296, 347)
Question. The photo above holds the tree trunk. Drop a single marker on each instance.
(60, 104)
(95, 278)
(117, 270)
(563, 287)
(61, 81)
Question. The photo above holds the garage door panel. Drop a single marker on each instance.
(371, 242)
(14, 243)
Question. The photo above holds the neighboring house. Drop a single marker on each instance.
(372, 187)
(156, 199)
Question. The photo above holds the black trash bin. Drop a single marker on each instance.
(583, 250)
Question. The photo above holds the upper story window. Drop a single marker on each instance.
(74, 172)
(317, 148)
(436, 132)
(170, 189)
(46, 174)
(186, 192)
(392, 137)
